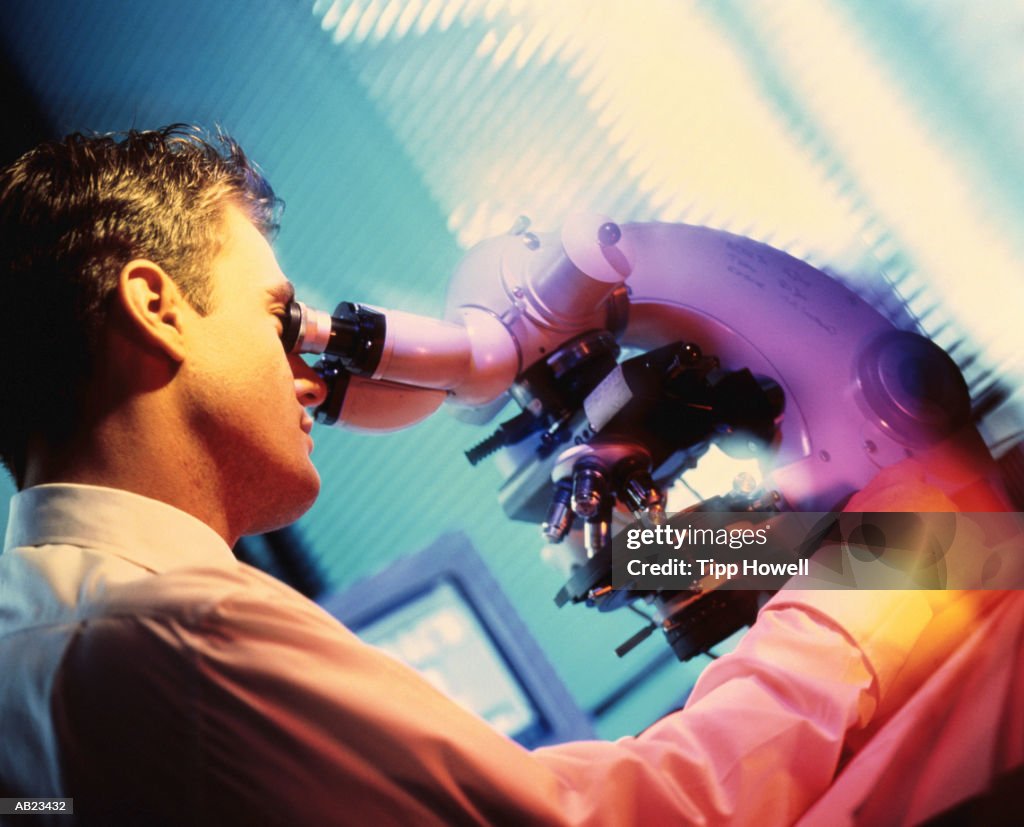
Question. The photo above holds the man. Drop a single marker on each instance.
(152, 677)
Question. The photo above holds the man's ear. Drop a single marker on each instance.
(153, 306)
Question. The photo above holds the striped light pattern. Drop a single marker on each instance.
(786, 122)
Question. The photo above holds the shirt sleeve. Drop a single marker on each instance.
(762, 733)
(263, 709)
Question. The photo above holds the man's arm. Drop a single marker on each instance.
(265, 710)
(762, 733)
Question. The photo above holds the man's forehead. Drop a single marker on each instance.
(246, 258)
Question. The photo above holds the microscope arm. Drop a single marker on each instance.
(525, 313)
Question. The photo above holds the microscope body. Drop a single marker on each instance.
(632, 349)
(859, 394)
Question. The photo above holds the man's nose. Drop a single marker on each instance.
(310, 388)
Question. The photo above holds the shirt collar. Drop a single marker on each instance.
(147, 532)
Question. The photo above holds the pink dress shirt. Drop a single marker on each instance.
(155, 679)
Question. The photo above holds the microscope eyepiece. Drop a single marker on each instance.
(306, 329)
(354, 334)
(292, 323)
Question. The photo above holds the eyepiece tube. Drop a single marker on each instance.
(354, 334)
(306, 329)
(476, 359)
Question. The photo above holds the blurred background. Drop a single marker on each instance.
(881, 142)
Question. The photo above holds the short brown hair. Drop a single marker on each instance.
(73, 212)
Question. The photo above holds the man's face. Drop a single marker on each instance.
(247, 397)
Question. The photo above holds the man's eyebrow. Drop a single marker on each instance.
(283, 292)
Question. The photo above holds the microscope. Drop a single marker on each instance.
(631, 352)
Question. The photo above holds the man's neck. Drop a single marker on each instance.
(136, 453)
